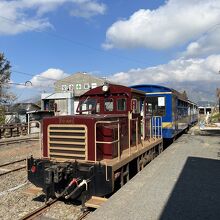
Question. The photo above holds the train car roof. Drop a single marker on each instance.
(113, 89)
(150, 88)
(153, 88)
(193, 103)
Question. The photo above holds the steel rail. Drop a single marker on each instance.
(83, 215)
(13, 162)
(39, 211)
(13, 170)
(6, 142)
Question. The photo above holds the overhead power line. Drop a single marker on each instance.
(42, 77)
(71, 41)
(29, 74)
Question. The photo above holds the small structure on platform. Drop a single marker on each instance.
(204, 110)
(17, 112)
(35, 120)
(59, 103)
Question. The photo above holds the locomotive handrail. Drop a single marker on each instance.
(108, 142)
(143, 121)
(39, 134)
(136, 130)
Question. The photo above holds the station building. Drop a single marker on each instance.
(65, 98)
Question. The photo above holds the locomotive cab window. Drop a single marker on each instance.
(136, 105)
(121, 104)
(156, 106)
(88, 106)
(109, 105)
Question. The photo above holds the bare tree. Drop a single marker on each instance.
(218, 96)
(5, 96)
(5, 74)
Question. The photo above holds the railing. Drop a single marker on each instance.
(136, 132)
(146, 128)
(108, 142)
(38, 123)
(156, 125)
(13, 130)
(151, 128)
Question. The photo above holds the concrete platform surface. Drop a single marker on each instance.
(181, 183)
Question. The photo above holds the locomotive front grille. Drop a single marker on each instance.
(67, 142)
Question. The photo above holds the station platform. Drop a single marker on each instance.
(183, 182)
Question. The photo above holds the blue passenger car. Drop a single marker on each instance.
(193, 113)
(173, 106)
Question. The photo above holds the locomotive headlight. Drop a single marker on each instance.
(105, 88)
(33, 169)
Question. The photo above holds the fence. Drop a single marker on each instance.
(13, 130)
(19, 129)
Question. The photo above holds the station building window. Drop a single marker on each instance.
(121, 104)
(78, 86)
(109, 105)
(93, 85)
(86, 86)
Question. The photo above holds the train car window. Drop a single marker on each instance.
(109, 105)
(156, 106)
(121, 104)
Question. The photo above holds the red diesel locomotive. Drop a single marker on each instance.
(98, 150)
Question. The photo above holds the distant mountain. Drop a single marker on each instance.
(34, 99)
(200, 91)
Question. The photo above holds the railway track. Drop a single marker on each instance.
(39, 211)
(84, 214)
(15, 141)
(2, 167)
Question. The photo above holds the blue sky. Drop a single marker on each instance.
(172, 42)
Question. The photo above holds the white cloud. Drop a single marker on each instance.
(175, 23)
(11, 11)
(45, 79)
(19, 16)
(87, 9)
(205, 45)
(199, 77)
(180, 70)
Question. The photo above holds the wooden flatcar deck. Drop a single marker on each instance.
(136, 151)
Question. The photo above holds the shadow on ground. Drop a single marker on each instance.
(40, 198)
(196, 194)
